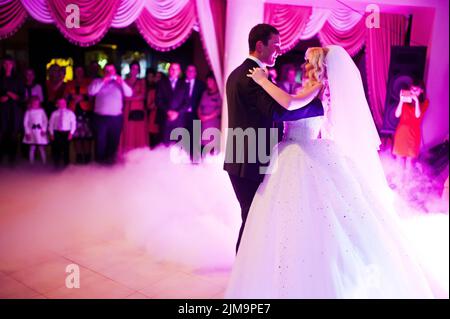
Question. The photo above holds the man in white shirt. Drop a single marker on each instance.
(108, 119)
(62, 126)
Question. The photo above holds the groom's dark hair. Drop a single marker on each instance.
(260, 32)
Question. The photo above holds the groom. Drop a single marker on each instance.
(250, 107)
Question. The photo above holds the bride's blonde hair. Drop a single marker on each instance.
(316, 57)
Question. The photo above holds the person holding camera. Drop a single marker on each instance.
(411, 108)
(109, 93)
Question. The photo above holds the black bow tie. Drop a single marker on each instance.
(36, 126)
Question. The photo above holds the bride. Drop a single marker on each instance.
(321, 226)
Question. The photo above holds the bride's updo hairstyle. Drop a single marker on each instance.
(315, 64)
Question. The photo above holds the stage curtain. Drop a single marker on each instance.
(344, 19)
(218, 10)
(127, 13)
(38, 10)
(165, 24)
(315, 23)
(95, 19)
(378, 52)
(351, 40)
(210, 39)
(165, 9)
(12, 16)
(289, 20)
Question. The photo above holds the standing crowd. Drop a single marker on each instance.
(100, 117)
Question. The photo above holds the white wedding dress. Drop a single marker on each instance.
(316, 229)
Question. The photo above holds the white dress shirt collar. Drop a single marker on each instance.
(191, 85)
(173, 82)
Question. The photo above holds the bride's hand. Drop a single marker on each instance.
(257, 74)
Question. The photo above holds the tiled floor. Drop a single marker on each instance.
(110, 265)
(109, 269)
(78, 216)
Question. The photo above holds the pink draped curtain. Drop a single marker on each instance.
(218, 10)
(211, 25)
(127, 13)
(351, 40)
(289, 20)
(170, 33)
(12, 16)
(378, 52)
(95, 19)
(164, 24)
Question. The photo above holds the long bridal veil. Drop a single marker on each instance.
(348, 121)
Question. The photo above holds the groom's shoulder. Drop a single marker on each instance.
(240, 71)
(244, 66)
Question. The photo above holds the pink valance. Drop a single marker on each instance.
(127, 13)
(38, 10)
(95, 19)
(351, 40)
(12, 16)
(165, 24)
(170, 33)
(289, 20)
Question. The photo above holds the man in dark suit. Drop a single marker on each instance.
(250, 108)
(172, 96)
(290, 84)
(196, 88)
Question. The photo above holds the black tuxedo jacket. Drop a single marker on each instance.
(172, 99)
(249, 106)
(197, 91)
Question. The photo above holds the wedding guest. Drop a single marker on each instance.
(62, 126)
(55, 87)
(11, 120)
(172, 96)
(290, 85)
(134, 133)
(411, 108)
(93, 71)
(80, 103)
(210, 110)
(31, 87)
(109, 93)
(35, 124)
(196, 88)
(155, 116)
